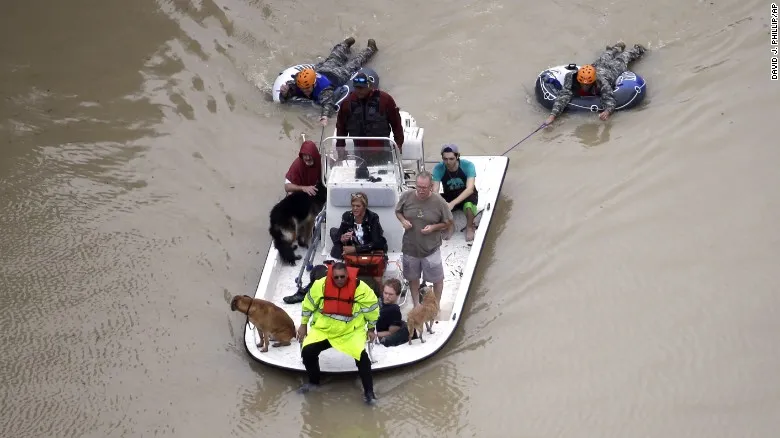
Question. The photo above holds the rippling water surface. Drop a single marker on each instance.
(629, 283)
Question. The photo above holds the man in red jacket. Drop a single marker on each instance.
(368, 112)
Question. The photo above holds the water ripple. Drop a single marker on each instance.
(49, 372)
(612, 302)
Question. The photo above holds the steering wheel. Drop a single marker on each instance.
(362, 161)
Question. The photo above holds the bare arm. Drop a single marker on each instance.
(441, 225)
(446, 215)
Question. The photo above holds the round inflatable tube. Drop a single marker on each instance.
(341, 92)
(630, 90)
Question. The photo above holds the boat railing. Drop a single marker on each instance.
(326, 165)
(306, 263)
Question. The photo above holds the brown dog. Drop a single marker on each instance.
(423, 315)
(270, 320)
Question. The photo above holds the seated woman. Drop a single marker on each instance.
(390, 327)
(360, 233)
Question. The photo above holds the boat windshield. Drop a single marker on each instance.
(381, 163)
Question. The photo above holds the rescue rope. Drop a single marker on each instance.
(526, 138)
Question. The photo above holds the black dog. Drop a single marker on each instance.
(292, 219)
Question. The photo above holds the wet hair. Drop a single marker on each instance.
(393, 283)
(340, 266)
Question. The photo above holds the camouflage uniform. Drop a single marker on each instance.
(609, 66)
(337, 67)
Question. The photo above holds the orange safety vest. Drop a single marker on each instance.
(339, 301)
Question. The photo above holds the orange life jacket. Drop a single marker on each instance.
(340, 301)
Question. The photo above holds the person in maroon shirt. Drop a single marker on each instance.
(368, 112)
(305, 173)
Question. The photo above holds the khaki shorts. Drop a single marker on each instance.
(431, 267)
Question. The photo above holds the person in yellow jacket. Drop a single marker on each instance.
(341, 309)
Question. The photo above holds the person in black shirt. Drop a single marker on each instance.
(360, 231)
(390, 327)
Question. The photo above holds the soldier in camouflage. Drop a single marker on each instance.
(320, 84)
(338, 67)
(597, 79)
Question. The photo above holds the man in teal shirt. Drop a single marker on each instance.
(457, 179)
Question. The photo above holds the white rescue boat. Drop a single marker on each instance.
(386, 184)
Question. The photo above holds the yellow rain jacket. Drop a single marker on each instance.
(346, 333)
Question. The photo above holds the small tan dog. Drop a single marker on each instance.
(270, 320)
(423, 315)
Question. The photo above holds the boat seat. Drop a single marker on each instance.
(377, 196)
(413, 152)
(413, 144)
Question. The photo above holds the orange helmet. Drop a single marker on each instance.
(586, 75)
(306, 78)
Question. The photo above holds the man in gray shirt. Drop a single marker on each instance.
(424, 215)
